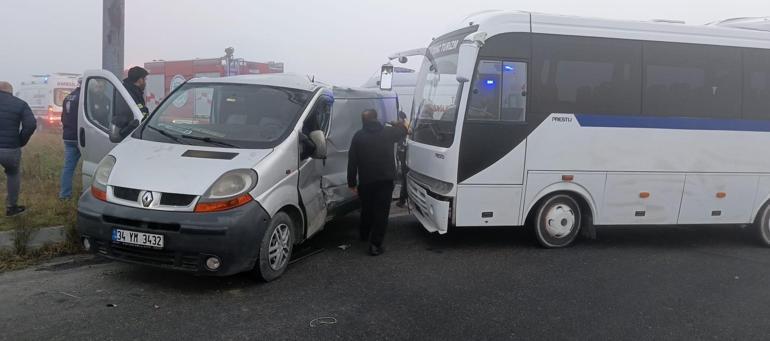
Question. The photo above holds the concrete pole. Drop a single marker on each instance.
(113, 17)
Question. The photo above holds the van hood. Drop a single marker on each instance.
(176, 168)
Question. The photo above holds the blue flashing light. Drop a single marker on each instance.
(508, 68)
(490, 82)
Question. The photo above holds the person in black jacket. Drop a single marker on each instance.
(17, 124)
(371, 172)
(69, 121)
(123, 120)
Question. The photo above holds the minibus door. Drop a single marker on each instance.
(102, 95)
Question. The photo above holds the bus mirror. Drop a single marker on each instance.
(386, 77)
(466, 61)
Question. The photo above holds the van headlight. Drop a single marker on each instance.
(231, 190)
(101, 176)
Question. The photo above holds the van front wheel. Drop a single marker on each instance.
(276, 247)
(558, 221)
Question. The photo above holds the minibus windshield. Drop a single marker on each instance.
(435, 102)
(227, 115)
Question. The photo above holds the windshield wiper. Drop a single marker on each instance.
(209, 140)
(166, 134)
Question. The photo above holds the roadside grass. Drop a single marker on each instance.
(41, 164)
(42, 160)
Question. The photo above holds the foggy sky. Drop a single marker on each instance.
(339, 41)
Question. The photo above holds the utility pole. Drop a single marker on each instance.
(113, 18)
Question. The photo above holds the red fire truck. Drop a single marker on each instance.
(167, 75)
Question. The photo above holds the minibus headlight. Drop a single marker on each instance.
(101, 175)
(232, 184)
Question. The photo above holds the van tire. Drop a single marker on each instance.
(762, 225)
(558, 221)
(280, 236)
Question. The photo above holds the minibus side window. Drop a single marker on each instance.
(499, 92)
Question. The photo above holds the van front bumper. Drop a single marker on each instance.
(233, 236)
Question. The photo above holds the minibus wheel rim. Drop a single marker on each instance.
(278, 252)
(560, 221)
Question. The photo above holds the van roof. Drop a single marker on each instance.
(361, 93)
(284, 80)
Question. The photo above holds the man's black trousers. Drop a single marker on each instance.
(375, 209)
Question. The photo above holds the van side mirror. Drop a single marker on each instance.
(386, 77)
(319, 139)
(466, 61)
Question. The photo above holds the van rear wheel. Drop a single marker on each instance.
(276, 248)
(558, 221)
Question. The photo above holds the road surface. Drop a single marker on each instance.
(642, 283)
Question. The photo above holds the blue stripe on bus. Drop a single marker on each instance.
(683, 123)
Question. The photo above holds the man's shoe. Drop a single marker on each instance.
(14, 211)
(375, 250)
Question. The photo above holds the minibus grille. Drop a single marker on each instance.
(418, 196)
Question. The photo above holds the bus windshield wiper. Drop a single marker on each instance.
(209, 140)
(166, 134)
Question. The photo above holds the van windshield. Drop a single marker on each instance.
(227, 115)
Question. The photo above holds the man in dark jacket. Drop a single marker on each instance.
(17, 124)
(123, 120)
(69, 121)
(371, 171)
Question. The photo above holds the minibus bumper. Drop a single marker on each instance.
(432, 213)
(190, 239)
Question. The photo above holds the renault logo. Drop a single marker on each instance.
(147, 199)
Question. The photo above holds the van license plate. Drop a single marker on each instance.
(154, 241)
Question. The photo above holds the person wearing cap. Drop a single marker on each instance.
(17, 124)
(123, 120)
(69, 121)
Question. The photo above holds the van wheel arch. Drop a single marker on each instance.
(299, 222)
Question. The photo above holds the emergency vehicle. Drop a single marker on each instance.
(45, 95)
(165, 76)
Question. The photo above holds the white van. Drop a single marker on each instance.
(225, 176)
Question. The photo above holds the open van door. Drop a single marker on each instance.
(102, 95)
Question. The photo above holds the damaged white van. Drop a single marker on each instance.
(225, 176)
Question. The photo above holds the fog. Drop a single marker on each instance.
(341, 41)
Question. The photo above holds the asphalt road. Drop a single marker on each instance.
(644, 283)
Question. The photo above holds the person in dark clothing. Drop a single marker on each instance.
(17, 124)
(371, 171)
(69, 121)
(123, 121)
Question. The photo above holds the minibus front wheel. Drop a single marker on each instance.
(558, 221)
(276, 248)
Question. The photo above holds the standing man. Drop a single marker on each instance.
(69, 121)
(17, 124)
(371, 171)
(123, 121)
